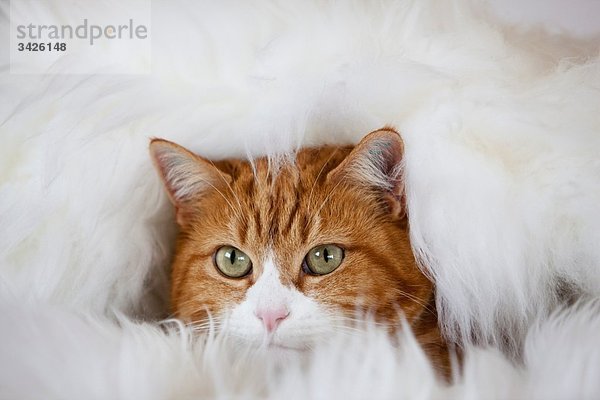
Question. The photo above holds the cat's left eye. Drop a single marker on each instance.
(232, 262)
(323, 259)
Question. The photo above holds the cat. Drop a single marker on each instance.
(290, 253)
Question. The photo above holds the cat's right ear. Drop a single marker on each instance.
(186, 176)
(376, 162)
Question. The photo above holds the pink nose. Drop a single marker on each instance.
(272, 317)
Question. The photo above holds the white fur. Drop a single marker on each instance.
(501, 166)
(307, 322)
(70, 356)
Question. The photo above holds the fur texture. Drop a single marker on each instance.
(350, 197)
(501, 161)
(71, 356)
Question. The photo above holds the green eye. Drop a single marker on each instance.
(232, 262)
(323, 259)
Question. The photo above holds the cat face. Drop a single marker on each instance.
(287, 256)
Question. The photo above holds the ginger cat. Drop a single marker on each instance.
(283, 254)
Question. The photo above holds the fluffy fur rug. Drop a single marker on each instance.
(502, 132)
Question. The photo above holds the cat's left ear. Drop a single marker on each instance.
(376, 162)
(186, 176)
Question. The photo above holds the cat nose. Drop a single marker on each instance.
(272, 317)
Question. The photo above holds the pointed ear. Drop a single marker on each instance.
(376, 163)
(186, 176)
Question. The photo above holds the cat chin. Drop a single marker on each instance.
(281, 355)
(276, 355)
(273, 346)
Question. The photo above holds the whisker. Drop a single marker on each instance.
(239, 213)
(416, 300)
(235, 211)
(362, 322)
(318, 176)
(331, 192)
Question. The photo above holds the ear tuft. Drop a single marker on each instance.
(185, 175)
(376, 161)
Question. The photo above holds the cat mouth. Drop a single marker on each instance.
(283, 353)
(271, 343)
(278, 346)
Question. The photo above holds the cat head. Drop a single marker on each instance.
(288, 255)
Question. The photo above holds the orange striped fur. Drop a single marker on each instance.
(349, 196)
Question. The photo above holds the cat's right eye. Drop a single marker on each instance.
(232, 262)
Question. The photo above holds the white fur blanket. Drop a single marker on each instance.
(502, 132)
